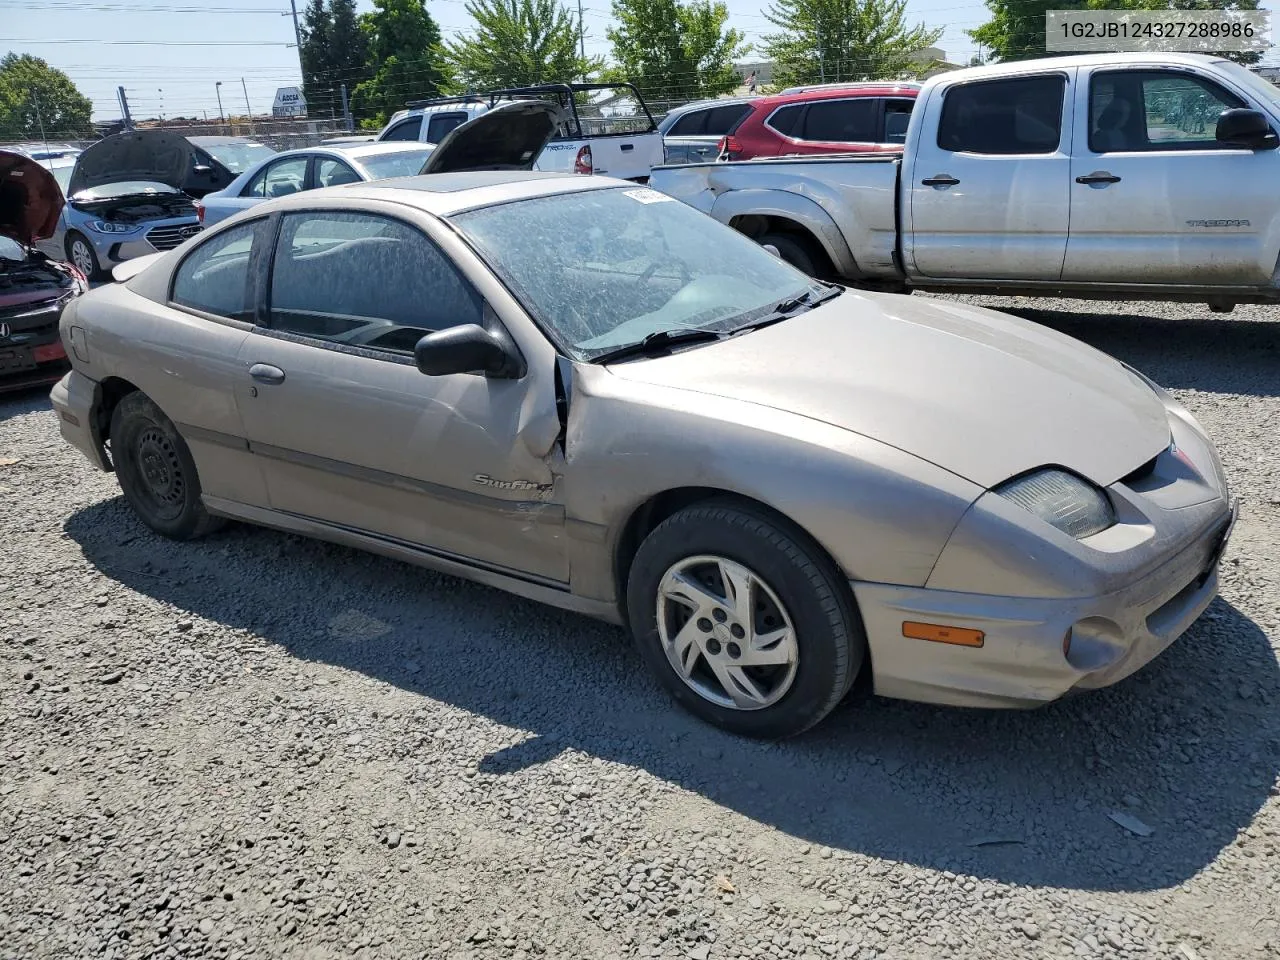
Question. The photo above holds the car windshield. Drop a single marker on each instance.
(63, 176)
(625, 264)
(403, 163)
(238, 157)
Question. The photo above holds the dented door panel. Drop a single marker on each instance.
(458, 464)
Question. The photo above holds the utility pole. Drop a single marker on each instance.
(247, 109)
(582, 41)
(124, 108)
(221, 116)
(297, 31)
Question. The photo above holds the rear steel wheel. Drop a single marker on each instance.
(156, 472)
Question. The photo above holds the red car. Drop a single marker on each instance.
(34, 290)
(834, 118)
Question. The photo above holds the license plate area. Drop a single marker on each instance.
(14, 359)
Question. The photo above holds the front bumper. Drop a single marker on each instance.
(1025, 660)
(113, 249)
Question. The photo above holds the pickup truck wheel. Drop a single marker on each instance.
(156, 472)
(793, 251)
(744, 620)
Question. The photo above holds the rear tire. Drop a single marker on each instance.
(794, 251)
(156, 471)
(81, 253)
(744, 620)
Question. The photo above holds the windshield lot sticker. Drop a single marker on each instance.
(645, 195)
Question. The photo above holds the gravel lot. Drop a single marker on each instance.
(263, 746)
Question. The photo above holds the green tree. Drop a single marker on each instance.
(406, 59)
(348, 50)
(1016, 28)
(829, 41)
(37, 100)
(313, 52)
(675, 51)
(519, 43)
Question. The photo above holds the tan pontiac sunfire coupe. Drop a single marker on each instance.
(587, 393)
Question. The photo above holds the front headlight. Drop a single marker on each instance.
(106, 226)
(1062, 500)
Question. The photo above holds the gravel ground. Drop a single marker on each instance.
(263, 746)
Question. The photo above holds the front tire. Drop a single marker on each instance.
(744, 620)
(81, 253)
(156, 471)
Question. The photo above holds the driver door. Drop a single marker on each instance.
(350, 433)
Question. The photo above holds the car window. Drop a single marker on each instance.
(331, 173)
(401, 163)
(364, 280)
(851, 120)
(440, 125)
(1155, 110)
(214, 277)
(691, 124)
(278, 179)
(1003, 117)
(723, 119)
(404, 130)
(897, 114)
(784, 119)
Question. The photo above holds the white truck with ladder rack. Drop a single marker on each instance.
(612, 135)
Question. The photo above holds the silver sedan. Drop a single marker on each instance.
(585, 393)
(293, 171)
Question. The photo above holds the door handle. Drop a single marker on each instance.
(940, 180)
(1098, 177)
(266, 373)
(628, 146)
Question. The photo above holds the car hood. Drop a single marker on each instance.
(30, 199)
(984, 395)
(508, 137)
(148, 155)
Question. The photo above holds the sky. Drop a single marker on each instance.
(169, 54)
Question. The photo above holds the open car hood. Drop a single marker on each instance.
(149, 155)
(30, 199)
(508, 137)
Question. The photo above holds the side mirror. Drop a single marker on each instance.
(1246, 128)
(469, 348)
(772, 249)
(203, 168)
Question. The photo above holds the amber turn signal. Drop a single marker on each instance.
(938, 634)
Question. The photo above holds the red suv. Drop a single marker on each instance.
(833, 118)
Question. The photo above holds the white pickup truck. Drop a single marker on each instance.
(1143, 176)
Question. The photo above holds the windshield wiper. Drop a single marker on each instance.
(657, 342)
(786, 309)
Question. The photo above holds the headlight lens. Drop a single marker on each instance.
(1062, 500)
(105, 226)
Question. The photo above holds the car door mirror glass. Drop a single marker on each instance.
(468, 348)
(1246, 128)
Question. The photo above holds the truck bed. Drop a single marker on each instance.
(847, 201)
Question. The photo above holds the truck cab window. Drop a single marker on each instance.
(1003, 117)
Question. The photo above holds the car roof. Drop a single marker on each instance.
(214, 140)
(907, 88)
(444, 194)
(1078, 60)
(352, 151)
